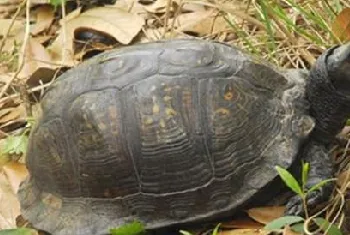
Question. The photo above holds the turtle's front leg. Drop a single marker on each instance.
(321, 168)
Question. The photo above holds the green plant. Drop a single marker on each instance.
(57, 3)
(134, 228)
(17, 144)
(19, 231)
(297, 222)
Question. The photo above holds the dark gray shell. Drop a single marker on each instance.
(164, 133)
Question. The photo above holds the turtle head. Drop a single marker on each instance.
(328, 92)
(338, 66)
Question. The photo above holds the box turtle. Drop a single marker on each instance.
(175, 132)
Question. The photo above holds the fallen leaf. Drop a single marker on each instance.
(201, 23)
(132, 6)
(343, 180)
(11, 114)
(341, 25)
(9, 204)
(36, 59)
(16, 173)
(245, 232)
(118, 23)
(159, 6)
(242, 223)
(265, 215)
(44, 18)
(5, 24)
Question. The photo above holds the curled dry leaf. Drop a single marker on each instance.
(116, 22)
(12, 114)
(37, 62)
(44, 18)
(341, 25)
(267, 214)
(11, 175)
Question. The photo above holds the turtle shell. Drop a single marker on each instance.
(164, 133)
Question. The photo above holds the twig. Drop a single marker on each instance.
(167, 12)
(11, 25)
(64, 32)
(24, 47)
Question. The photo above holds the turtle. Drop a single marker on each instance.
(178, 131)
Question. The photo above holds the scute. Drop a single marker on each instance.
(165, 133)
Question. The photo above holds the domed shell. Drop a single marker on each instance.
(164, 133)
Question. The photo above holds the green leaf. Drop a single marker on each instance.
(305, 173)
(56, 3)
(283, 221)
(299, 228)
(133, 228)
(290, 181)
(326, 226)
(14, 144)
(20, 231)
(216, 229)
(183, 232)
(319, 185)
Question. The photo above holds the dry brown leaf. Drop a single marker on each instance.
(16, 173)
(44, 19)
(132, 6)
(10, 177)
(11, 114)
(159, 6)
(17, 27)
(341, 25)
(36, 60)
(245, 232)
(343, 179)
(202, 23)
(118, 23)
(193, 7)
(243, 223)
(265, 215)
(8, 102)
(5, 77)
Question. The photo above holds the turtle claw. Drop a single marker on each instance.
(295, 204)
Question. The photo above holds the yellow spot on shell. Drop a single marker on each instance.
(228, 95)
(147, 121)
(167, 89)
(112, 112)
(101, 126)
(170, 112)
(156, 109)
(222, 111)
(162, 123)
(167, 98)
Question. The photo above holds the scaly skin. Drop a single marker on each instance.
(328, 92)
